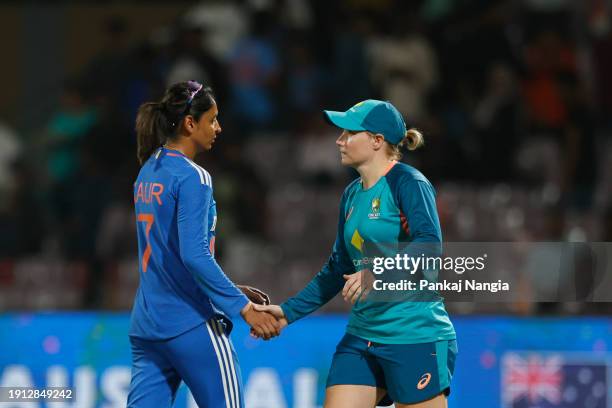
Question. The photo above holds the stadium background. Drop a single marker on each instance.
(514, 99)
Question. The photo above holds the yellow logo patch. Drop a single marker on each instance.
(357, 241)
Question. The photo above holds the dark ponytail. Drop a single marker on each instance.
(158, 122)
(152, 129)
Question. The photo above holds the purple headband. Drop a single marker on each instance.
(191, 96)
(193, 93)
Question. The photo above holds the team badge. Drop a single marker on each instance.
(375, 209)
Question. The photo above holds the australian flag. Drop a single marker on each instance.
(539, 380)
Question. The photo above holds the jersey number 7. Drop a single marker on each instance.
(149, 219)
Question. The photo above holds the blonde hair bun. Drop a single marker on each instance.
(413, 139)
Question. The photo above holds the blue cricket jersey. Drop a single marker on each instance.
(181, 284)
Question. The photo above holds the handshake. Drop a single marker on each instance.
(266, 320)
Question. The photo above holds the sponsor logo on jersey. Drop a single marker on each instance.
(362, 263)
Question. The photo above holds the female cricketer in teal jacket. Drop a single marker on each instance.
(402, 352)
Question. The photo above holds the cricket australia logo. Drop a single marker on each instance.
(375, 214)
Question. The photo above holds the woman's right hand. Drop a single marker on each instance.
(262, 324)
(357, 286)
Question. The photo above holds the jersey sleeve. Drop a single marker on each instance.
(417, 201)
(194, 199)
(328, 282)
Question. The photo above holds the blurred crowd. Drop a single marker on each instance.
(512, 97)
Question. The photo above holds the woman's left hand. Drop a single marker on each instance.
(357, 286)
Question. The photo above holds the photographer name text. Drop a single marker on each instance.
(442, 286)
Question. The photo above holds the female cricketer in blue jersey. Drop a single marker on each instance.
(181, 315)
(392, 351)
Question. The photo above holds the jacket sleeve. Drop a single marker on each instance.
(194, 198)
(328, 282)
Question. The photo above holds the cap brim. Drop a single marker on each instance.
(342, 120)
